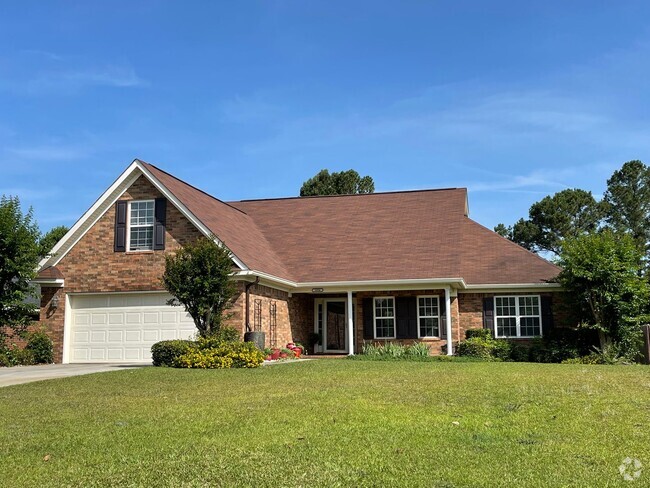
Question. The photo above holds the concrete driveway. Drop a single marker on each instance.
(27, 374)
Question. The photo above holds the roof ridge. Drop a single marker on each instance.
(379, 193)
(191, 186)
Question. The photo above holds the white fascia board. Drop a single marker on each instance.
(106, 200)
(266, 279)
(186, 212)
(88, 219)
(494, 288)
(53, 282)
(364, 285)
(379, 285)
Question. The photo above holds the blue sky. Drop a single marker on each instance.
(248, 99)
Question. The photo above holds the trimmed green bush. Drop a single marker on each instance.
(41, 347)
(481, 333)
(478, 347)
(164, 353)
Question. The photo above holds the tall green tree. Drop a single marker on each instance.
(627, 202)
(19, 256)
(601, 273)
(199, 277)
(553, 219)
(50, 238)
(341, 183)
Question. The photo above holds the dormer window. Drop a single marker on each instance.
(141, 225)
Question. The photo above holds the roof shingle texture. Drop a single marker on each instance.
(380, 236)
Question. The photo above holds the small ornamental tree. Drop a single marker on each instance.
(19, 256)
(199, 277)
(602, 275)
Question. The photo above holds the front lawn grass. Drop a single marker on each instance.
(330, 423)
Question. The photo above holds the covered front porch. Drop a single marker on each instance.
(344, 321)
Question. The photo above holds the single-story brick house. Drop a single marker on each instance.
(396, 266)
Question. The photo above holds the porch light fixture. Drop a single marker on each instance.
(317, 290)
(54, 303)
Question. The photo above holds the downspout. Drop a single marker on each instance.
(248, 287)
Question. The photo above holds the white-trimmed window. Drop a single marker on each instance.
(429, 316)
(517, 316)
(141, 223)
(384, 317)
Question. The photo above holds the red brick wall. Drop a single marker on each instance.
(471, 309)
(438, 346)
(93, 266)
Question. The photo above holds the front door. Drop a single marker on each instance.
(335, 325)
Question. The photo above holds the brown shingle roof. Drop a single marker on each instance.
(388, 236)
(232, 226)
(381, 236)
(50, 273)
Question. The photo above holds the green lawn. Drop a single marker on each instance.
(330, 423)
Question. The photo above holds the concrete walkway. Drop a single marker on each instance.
(27, 374)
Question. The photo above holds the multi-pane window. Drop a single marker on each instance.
(429, 316)
(141, 225)
(384, 318)
(518, 316)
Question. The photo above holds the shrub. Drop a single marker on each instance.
(203, 359)
(477, 347)
(223, 355)
(15, 356)
(227, 333)
(592, 358)
(481, 333)
(41, 347)
(164, 353)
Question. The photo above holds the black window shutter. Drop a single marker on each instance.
(120, 226)
(443, 317)
(406, 317)
(488, 314)
(368, 326)
(160, 210)
(547, 314)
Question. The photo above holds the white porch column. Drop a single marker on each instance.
(450, 351)
(350, 326)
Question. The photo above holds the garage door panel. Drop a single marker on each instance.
(115, 318)
(122, 327)
(97, 354)
(99, 318)
(151, 318)
(81, 337)
(133, 317)
(114, 354)
(97, 336)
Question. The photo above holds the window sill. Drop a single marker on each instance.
(147, 251)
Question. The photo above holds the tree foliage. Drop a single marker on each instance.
(602, 275)
(199, 277)
(627, 202)
(19, 256)
(50, 238)
(553, 219)
(341, 183)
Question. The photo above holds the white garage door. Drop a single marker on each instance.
(115, 328)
